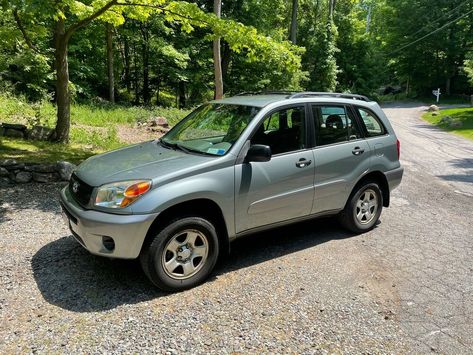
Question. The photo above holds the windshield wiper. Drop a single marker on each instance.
(187, 150)
(167, 144)
(192, 150)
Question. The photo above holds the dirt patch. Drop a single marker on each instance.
(132, 135)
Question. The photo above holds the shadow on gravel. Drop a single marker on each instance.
(29, 196)
(71, 278)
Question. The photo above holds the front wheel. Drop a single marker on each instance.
(363, 209)
(182, 255)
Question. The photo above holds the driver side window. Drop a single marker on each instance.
(283, 131)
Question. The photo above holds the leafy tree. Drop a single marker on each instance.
(65, 17)
(425, 42)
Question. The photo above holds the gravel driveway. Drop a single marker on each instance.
(405, 287)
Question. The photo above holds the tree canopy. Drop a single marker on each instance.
(146, 52)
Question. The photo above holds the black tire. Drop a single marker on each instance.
(159, 251)
(348, 217)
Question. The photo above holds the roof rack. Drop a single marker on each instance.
(272, 92)
(329, 94)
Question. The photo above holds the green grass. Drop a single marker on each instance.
(93, 129)
(18, 110)
(42, 152)
(462, 115)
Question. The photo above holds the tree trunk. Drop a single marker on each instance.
(63, 98)
(126, 50)
(331, 5)
(217, 58)
(145, 54)
(226, 59)
(111, 77)
(182, 94)
(293, 31)
(448, 86)
(136, 79)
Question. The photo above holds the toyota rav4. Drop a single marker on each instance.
(230, 168)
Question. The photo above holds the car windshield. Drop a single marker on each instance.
(211, 129)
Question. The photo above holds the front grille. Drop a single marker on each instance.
(81, 191)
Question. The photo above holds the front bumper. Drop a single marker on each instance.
(89, 228)
(394, 177)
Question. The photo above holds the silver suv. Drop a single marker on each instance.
(234, 167)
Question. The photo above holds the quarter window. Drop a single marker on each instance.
(283, 130)
(372, 123)
(334, 124)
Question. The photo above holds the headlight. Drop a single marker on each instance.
(121, 194)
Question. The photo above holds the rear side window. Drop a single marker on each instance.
(372, 123)
(334, 124)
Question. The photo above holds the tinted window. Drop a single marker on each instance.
(372, 123)
(283, 131)
(334, 124)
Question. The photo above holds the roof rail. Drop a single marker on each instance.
(329, 94)
(271, 92)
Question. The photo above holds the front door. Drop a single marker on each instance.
(281, 189)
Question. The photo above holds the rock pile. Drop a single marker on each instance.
(12, 171)
(155, 124)
(21, 131)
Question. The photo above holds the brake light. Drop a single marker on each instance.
(398, 144)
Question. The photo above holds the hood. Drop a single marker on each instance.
(147, 160)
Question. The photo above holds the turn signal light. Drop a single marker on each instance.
(134, 191)
(137, 189)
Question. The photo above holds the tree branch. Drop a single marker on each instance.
(162, 8)
(22, 29)
(87, 20)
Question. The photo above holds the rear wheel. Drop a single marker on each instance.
(363, 209)
(181, 255)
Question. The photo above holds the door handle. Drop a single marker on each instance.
(358, 151)
(302, 163)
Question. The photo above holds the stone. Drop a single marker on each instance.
(8, 162)
(65, 169)
(40, 133)
(4, 181)
(19, 166)
(433, 108)
(18, 127)
(23, 177)
(158, 121)
(41, 168)
(3, 171)
(45, 177)
(435, 113)
(13, 133)
(446, 120)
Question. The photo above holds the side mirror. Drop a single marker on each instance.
(258, 153)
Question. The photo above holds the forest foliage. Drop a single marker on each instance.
(159, 52)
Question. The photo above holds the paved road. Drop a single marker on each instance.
(407, 286)
(429, 249)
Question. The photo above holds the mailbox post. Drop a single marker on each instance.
(436, 93)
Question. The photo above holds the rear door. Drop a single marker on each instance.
(282, 188)
(341, 155)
